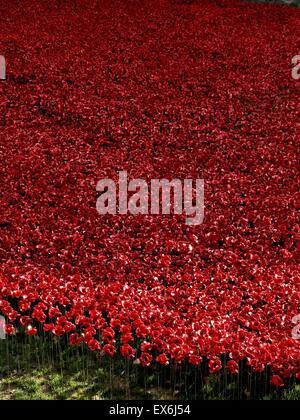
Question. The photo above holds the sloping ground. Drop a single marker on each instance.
(160, 89)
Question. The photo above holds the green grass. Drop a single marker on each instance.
(49, 384)
(33, 368)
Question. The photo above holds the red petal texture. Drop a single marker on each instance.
(161, 89)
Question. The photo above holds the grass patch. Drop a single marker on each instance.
(37, 368)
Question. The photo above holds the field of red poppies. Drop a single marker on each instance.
(161, 89)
